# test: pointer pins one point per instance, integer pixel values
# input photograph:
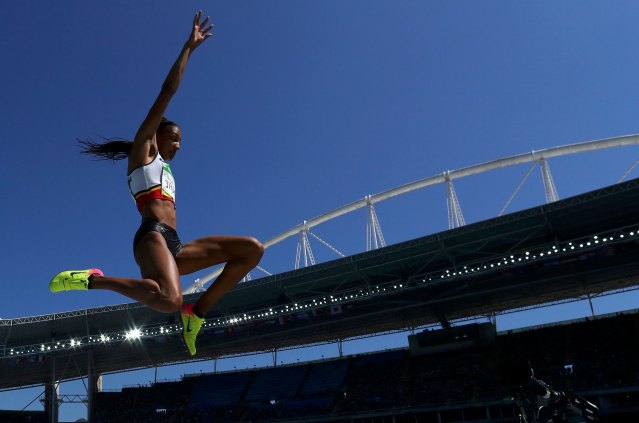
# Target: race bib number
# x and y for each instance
(168, 182)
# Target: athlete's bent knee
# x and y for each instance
(257, 250)
(176, 303)
(170, 304)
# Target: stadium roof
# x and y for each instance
(581, 245)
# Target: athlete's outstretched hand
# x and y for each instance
(200, 31)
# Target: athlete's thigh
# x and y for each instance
(211, 250)
(156, 262)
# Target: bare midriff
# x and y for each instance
(162, 211)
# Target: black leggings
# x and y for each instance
(170, 235)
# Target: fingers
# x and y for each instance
(207, 30)
(200, 29)
(196, 20)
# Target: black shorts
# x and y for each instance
(170, 235)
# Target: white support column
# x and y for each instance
(304, 246)
(370, 232)
(308, 253)
(455, 216)
(549, 184)
(374, 235)
(298, 253)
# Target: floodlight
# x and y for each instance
(134, 333)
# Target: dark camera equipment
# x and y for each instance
(538, 402)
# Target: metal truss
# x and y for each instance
(69, 314)
(549, 184)
(304, 249)
(537, 211)
(415, 281)
(374, 235)
(455, 216)
(70, 399)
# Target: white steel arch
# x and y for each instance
(533, 156)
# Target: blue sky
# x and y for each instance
(290, 110)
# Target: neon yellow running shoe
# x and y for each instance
(72, 279)
(191, 325)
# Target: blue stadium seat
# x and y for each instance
(276, 384)
(220, 390)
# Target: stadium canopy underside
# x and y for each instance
(583, 245)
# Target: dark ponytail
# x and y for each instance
(114, 148)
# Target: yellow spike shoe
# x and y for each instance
(72, 279)
(191, 325)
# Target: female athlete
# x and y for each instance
(161, 256)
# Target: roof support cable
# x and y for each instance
(329, 246)
(266, 272)
(628, 171)
(503, 209)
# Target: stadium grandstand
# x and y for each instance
(456, 379)
(438, 286)
(438, 379)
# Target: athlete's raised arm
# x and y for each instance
(144, 141)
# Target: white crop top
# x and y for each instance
(152, 181)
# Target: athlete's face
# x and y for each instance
(169, 139)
